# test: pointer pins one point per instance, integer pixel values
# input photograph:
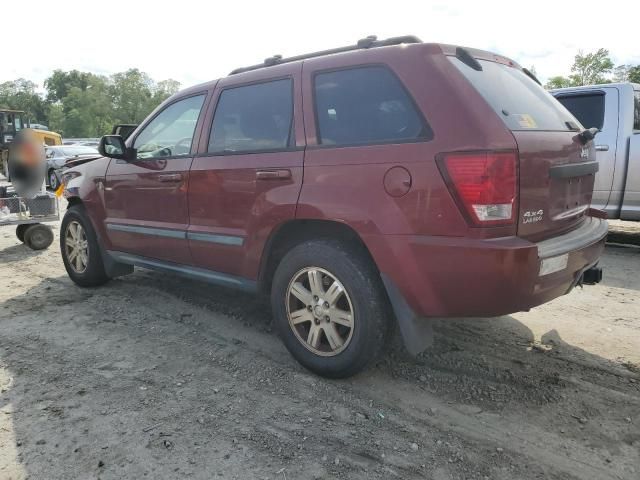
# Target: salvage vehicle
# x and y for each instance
(614, 109)
(387, 179)
(60, 157)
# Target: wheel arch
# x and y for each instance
(294, 232)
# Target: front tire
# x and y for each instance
(330, 307)
(80, 249)
(54, 183)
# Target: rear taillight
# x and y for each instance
(484, 184)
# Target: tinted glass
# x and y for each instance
(588, 109)
(516, 98)
(365, 105)
(636, 110)
(170, 133)
(253, 118)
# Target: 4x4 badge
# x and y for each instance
(532, 216)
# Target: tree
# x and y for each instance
(591, 68)
(633, 74)
(21, 94)
(621, 73)
(60, 83)
(558, 82)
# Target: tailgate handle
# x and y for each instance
(602, 148)
(273, 174)
(571, 170)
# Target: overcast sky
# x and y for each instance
(197, 40)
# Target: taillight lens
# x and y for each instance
(484, 183)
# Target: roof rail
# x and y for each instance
(369, 42)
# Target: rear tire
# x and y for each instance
(80, 249)
(38, 236)
(334, 335)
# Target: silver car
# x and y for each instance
(57, 156)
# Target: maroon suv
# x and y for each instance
(390, 179)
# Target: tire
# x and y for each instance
(52, 180)
(364, 296)
(88, 271)
(20, 229)
(38, 236)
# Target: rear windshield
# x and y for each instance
(516, 98)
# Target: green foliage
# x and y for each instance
(558, 82)
(588, 69)
(591, 68)
(633, 74)
(83, 104)
(21, 94)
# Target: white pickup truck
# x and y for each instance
(614, 109)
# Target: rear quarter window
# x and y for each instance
(365, 105)
(516, 98)
(587, 108)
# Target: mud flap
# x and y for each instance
(417, 332)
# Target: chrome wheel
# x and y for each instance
(76, 247)
(53, 180)
(319, 311)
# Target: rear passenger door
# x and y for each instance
(247, 176)
(599, 108)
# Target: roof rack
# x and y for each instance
(369, 42)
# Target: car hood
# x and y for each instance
(79, 160)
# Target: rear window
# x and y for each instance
(517, 99)
(589, 108)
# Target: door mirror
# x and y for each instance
(113, 146)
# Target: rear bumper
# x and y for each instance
(461, 277)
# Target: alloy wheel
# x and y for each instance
(76, 247)
(320, 311)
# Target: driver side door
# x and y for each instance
(146, 199)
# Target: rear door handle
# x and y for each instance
(273, 174)
(169, 177)
(602, 148)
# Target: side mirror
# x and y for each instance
(113, 146)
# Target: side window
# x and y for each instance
(588, 109)
(253, 118)
(365, 105)
(170, 133)
(636, 110)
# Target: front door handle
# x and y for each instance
(169, 177)
(602, 148)
(273, 174)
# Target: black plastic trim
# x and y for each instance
(571, 170)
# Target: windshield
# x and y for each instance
(516, 98)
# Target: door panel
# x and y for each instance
(236, 197)
(147, 211)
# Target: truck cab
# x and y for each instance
(614, 109)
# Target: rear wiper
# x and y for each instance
(587, 135)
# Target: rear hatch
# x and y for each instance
(556, 174)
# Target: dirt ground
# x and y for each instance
(155, 376)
